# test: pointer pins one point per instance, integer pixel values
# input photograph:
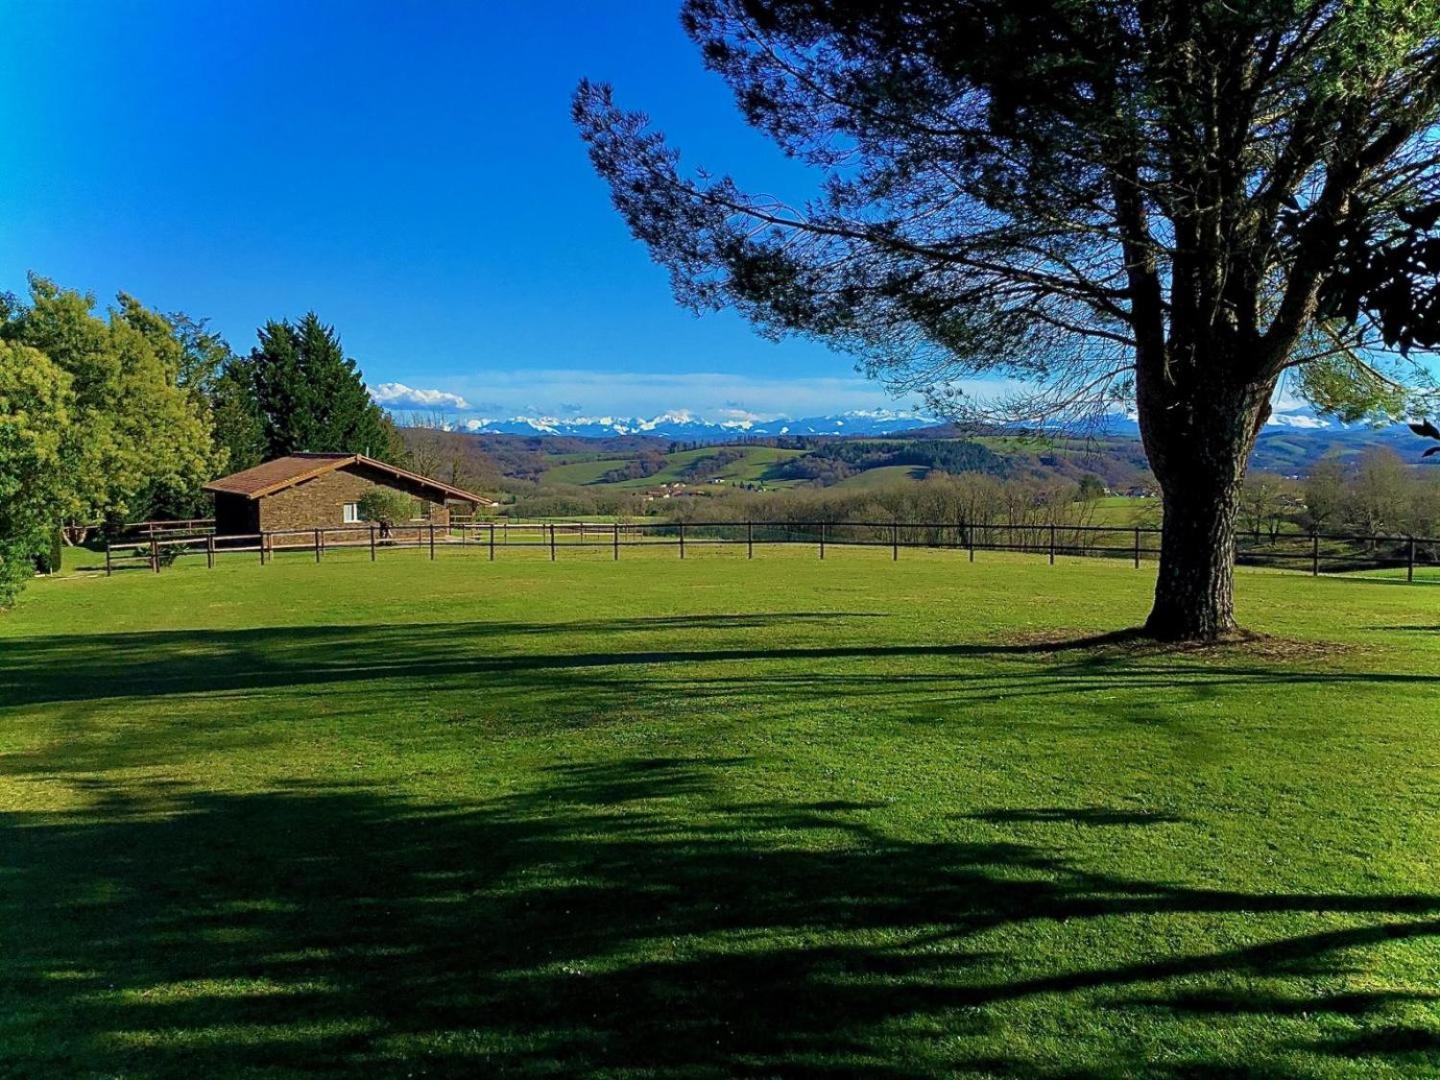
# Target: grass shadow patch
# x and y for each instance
(577, 924)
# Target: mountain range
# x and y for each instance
(1290, 443)
(683, 426)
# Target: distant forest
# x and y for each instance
(836, 461)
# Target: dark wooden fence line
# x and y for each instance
(168, 529)
(1319, 552)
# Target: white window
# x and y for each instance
(352, 513)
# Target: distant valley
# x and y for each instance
(866, 449)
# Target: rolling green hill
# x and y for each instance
(884, 476)
(753, 464)
(633, 463)
(852, 463)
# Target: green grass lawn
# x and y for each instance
(713, 818)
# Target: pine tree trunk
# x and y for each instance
(1194, 591)
(1198, 445)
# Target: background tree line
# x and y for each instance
(1380, 494)
(974, 498)
(835, 461)
(124, 415)
(944, 500)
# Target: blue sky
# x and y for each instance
(409, 171)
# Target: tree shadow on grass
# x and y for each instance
(221, 688)
(614, 917)
(91, 667)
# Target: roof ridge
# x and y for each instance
(287, 470)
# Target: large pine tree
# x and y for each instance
(311, 396)
(1137, 203)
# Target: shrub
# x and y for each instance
(48, 559)
(386, 506)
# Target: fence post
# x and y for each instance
(107, 558)
(372, 543)
(261, 545)
(617, 541)
(317, 545)
(894, 541)
(1410, 567)
(682, 540)
(552, 542)
(492, 541)
(822, 540)
(749, 539)
(970, 540)
(154, 552)
(1314, 554)
(1052, 543)
(432, 541)
(209, 552)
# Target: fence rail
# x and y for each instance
(164, 529)
(1316, 552)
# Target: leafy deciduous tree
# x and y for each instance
(1264, 500)
(35, 406)
(1379, 499)
(432, 448)
(1091, 487)
(1323, 492)
(139, 435)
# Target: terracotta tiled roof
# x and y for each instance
(281, 473)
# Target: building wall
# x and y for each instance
(319, 503)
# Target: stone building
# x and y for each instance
(323, 491)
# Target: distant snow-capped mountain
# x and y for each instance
(1293, 440)
(1293, 420)
(687, 427)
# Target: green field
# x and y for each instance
(1123, 510)
(885, 476)
(717, 817)
(755, 466)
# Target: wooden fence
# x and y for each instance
(1316, 552)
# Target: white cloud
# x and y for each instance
(1296, 420)
(398, 395)
(711, 396)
